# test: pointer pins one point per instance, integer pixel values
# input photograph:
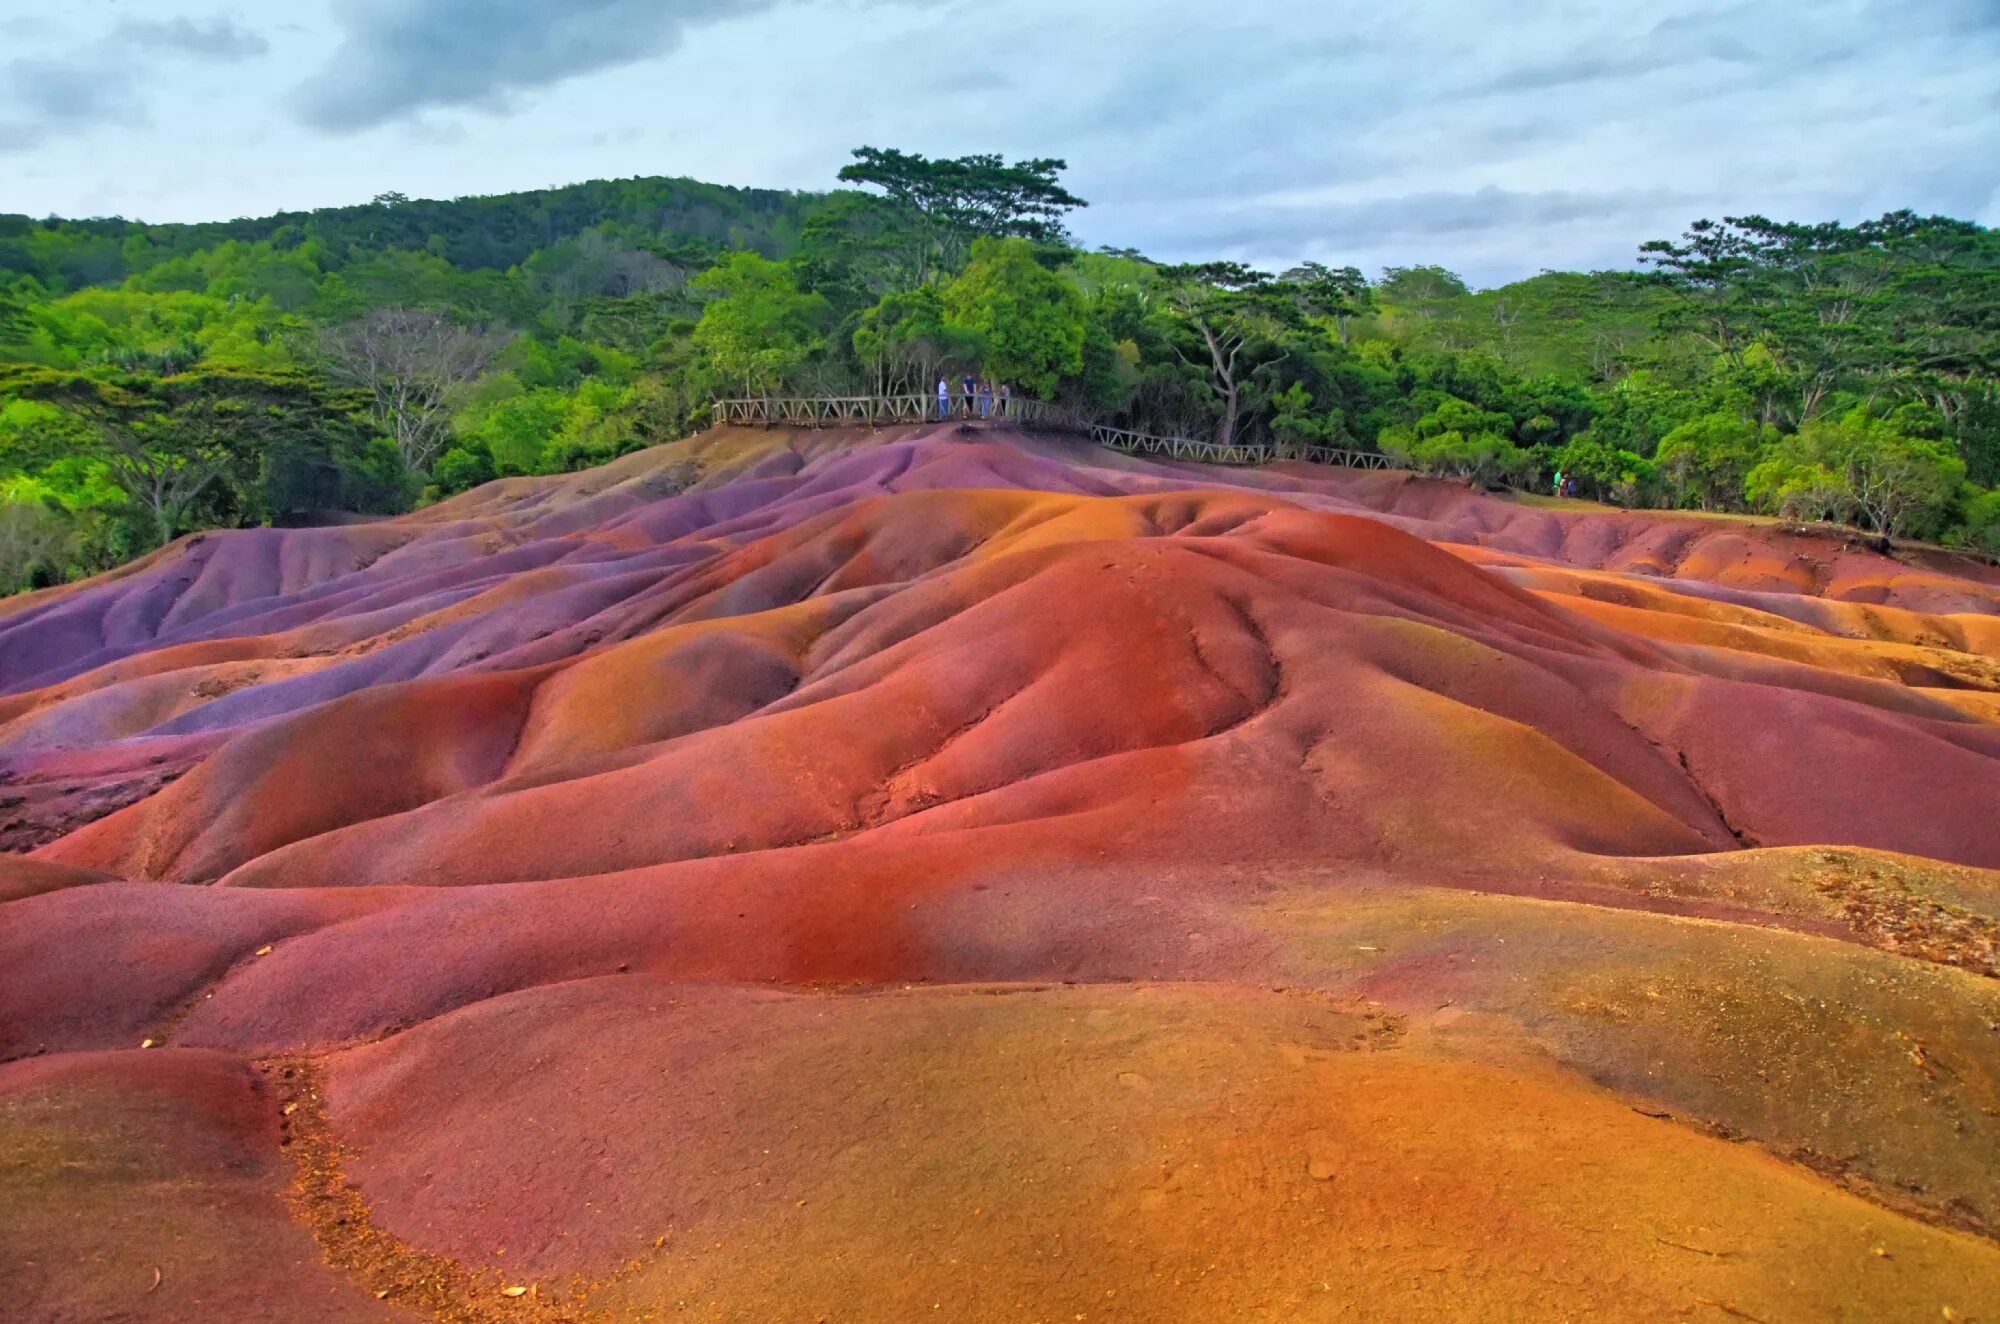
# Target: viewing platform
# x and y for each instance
(841, 411)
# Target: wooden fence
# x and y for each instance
(1214, 452)
(836, 411)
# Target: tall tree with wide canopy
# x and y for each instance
(165, 441)
(954, 201)
(1226, 307)
(1339, 294)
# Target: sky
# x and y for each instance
(1498, 140)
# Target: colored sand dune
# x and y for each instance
(957, 874)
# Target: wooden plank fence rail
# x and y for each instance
(839, 411)
(835, 411)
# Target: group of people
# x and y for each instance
(1565, 484)
(977, 398)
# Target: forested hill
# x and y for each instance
(494, 232)
(156, 379)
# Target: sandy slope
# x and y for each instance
(953, 874)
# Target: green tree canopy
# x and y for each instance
(907, 341)
(164, 441)
(1706, 459)
(1224, 310)
(1030, 321)
(1861, 466)
(955, 201)
(758, 327)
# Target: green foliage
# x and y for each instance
(534, 421)
(511, 424)
(1585, 327)
(1297, 419)
(459, 470)
(1605, 472)
(1858, 467)
(861, 246)
(1482, 459)
(1454, 415)
(907, 341)
(759, 327)
(489, 233)
(165, 442)
(1979, 526)
(1641, 408)
(1030, 322)
(947, 205)
(1226, 318)
(1420, 292)
(1902, 297)
(305, 477)
(36, 541)
(1705, 460)
(1335, 296)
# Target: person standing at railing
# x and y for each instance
(970, 386)
(944, 398)
(1005, 401)
(986, 398)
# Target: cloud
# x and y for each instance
(73, 91)
(1455, 227)
(26, 27)
(1558, 136)
(103, 81)
(217, 39)
(403, 56)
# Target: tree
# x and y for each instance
(1030, 322)
(1707, 458)
(1610, 474)
(1902, 303)
(1228, 307)
(1480, 460)
(861, 245)
(1459, 439)
(952, 202)
(17, 327)
(1338, 293)
(758, 325)
(165, 441)
(1897, 481)
(1707, 269)
(1981, 528)
(1298, 422)
(1791, 486)
(1424, 290)
(34, 540)
(1858, 466)
(906, 342)
(412, 363)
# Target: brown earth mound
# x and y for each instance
(964, 875)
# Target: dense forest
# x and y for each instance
(156, 379)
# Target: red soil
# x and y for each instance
(1531, 809)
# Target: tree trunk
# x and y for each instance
(1231, 403)
(1225, 376)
